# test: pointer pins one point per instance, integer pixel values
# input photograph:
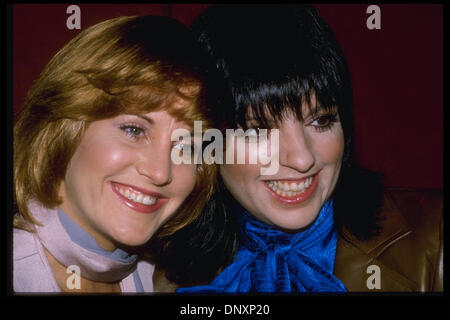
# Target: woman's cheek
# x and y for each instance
(185, 176)
(331, 147)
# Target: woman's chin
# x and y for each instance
(132, 239)
(292, 220)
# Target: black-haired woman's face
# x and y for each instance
(310, 156)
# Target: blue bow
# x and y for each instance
(270, 260)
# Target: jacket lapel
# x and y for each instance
(354, 257)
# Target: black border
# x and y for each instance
(296, 306)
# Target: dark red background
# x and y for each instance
(397, 74)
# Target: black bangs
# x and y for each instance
(269, 103)
(276, 62)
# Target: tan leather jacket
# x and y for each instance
(408, 251)
(407, 255)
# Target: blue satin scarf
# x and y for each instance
(270, 260)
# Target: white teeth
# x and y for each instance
(286, 189)
(149, 200)
(308, 182)
(136, 196)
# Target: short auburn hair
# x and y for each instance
(121, 65)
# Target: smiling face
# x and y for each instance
(310, 156)
(121, 185)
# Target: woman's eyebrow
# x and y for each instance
(149, 120)
(320, 109)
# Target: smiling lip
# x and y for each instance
(139, 207)
(296, 199)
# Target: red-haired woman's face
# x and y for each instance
(121, 185)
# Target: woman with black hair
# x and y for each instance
(321, 223)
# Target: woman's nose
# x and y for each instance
(295, 148)
(155, 163)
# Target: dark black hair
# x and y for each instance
(274, 57)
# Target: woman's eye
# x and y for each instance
(257, 135)
(133, 131)
(324, 122)
(321, 121)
